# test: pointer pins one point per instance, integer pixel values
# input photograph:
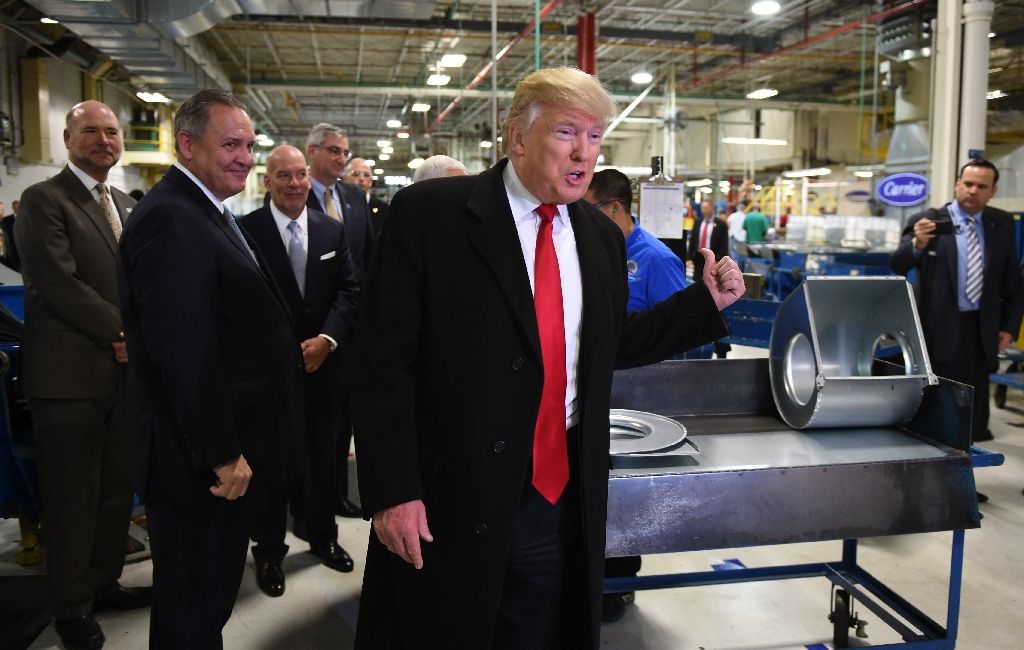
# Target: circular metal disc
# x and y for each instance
(637, 432)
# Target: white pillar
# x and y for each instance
(974, 77)
(945, 102)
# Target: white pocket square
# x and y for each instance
(327, 256)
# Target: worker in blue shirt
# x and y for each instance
(654, 272)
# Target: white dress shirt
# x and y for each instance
(527, 222)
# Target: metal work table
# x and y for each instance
(757, 482)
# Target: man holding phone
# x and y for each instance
(968, 283)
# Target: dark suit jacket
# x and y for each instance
(332, 291)
(358, 228)
(936, 286)
(71, 301)
(718, 242)
(11, 256)
(378, 213)
(449, 366)
(214, 369)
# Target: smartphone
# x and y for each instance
(943, 227)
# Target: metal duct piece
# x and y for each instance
(822, 350)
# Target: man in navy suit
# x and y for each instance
(965, 332)
(215, 405)
(327, 151)
(307, 255)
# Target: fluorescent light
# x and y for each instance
(402, 135)
(765, 141)
(453, 60)
(416, 162)
(995, 94)
(46, 20)
(642, 77)
(863, 174)
(765, 7)
(378, 171)
(699, 183)
(370, 163)
(384, 156)
(486, 144)
(394, 124)
(383, 143)
(152, 98)
(757, 188)
(801, 173)
(991, 34)
(762, 93)
(388, 149)
(264, 140)
(420, 107)
(438, 80)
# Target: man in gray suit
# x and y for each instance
(73, 373)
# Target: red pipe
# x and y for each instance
(480, 76)
(586, 58)
(807, 42)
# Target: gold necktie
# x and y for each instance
(332, 210)
(108, 209)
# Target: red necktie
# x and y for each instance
(550, 458)
(704, 234)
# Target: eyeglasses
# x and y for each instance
(363, 174)
(336, 151)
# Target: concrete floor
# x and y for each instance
(319, 608)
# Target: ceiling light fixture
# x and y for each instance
(486, 144)
(46, 20)
(438, 79)
(402, 135)
(152, 98)
(642, 77)
(384, 156)
(383, 143)
(370, 163)
(420, 107)
(994, 94)
(762, 93)
(699, 183)
(863, 173)
(394, 124)
(802, 173)
(378, 171)
(762, 141)
(388, 149)
(453, 60)
(765, 7)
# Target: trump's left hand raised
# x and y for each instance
(723, 279)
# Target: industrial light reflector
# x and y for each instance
(394, 124)
(642, 77)
(420, 107)
(762, 93)
(765, 7)
(801, 173)
(384, 156)
(402, 135)
(152, 98)
(994, 94)
(387, 149)
(453, 60)
(486, 144)
(383, 143)
(764, 141)
(438, 80)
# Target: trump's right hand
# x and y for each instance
(232, 479)
(400, 528)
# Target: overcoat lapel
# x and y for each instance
(84, 199)
(594, 279)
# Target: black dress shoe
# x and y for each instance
(613, 606)
(982, 498)
(124, 598)
(80, 632)
(270, 577)
(346, 508)
(334, 557)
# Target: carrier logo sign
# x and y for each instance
(903, 190)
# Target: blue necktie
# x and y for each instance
(975, 264)
(297, 256)
(238, 233)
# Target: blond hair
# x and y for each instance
(561, 87)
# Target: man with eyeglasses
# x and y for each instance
(327, 152)
(358, 173)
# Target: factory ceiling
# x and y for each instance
(360, 63)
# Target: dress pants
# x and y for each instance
(198, 558)
(540, 607)
(968, 366)
(83, 460)
(315, 506)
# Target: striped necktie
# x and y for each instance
(975, 264)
